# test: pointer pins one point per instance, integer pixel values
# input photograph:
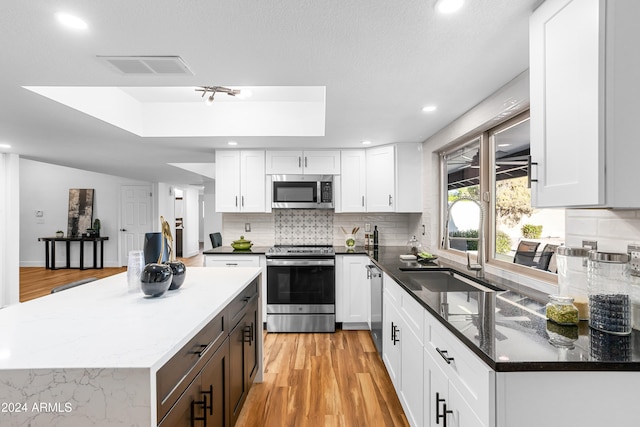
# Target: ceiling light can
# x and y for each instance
(448, 6)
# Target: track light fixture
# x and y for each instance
(215, 89)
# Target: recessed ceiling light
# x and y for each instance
(71, 21)
(232, 143)
(449, 6)
(429, 108)
(366, 142)
(3, 145)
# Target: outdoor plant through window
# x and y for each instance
(496, 162)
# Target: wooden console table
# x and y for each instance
(50, 248)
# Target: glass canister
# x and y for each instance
(560, 309)
(572, 277)
(609, 287)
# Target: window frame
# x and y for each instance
(487, 184)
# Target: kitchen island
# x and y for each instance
(90, 355)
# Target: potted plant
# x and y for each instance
(59, 233)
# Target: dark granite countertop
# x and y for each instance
(509, 330)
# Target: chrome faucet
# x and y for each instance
(478, 266)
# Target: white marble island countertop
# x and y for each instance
(102, 325)
(89, 355)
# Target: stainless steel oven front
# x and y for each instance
(301, 294)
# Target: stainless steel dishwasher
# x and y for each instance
(375, 278)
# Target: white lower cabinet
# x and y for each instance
(232, 261)
(444, 405)
(353, 294)
(402, 348)
(431, 370)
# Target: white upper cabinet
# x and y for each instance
(394, 178)
(311, 162)
(584, 69)
(353, 182)
(240, 181)
(381, 179)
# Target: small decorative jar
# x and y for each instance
(414, 246)
(560, 309)
(572, 277)
(609, 286)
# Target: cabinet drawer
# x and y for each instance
(242, 301)
(410, 309)
(474, 380)
(174, 376)
(232, 261)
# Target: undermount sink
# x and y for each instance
(445, 281)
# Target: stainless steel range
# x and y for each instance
(301, 289)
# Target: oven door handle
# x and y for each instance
(271, 262)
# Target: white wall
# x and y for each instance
(9, 229)
(46, 187)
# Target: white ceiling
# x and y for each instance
(377, 62)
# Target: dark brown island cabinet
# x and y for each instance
(207, 384)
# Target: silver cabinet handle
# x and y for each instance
(242, 198)
(236, 201)
(305, 161)
(363, 201)
(299, 162)
(390, 200)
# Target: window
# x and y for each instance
(493, 169)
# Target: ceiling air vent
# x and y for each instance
(145, 65)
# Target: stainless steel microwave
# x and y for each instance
(302, 192)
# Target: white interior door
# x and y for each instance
(135, 218)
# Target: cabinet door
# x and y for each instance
(462, 415)
(227, 181)
(436, 393)
(215, 385)
(391, 336)
(355, 291)
(567, 103)
(321, 162)
(411, 372)
(283, 162)
(252, 181)
(353, 180)
(237, 369)
(252, 329)
(188, 410)
(381, 179)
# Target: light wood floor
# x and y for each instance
(316, 380)
(310, 380)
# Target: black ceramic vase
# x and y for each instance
(151, 248)
(179, 271)
(155, 279)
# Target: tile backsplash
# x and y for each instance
(303, 227)
(308, 226)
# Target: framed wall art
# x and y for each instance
(80, 211)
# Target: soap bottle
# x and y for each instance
(375, 237)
